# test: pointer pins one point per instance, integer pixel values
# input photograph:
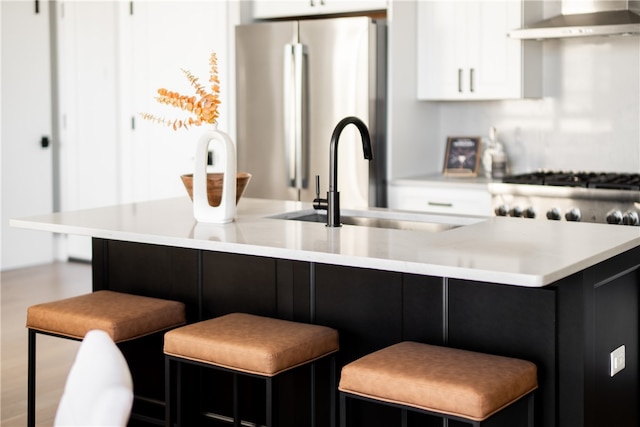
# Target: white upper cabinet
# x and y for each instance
(267, 9)
(464, 52)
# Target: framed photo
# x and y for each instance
(462, 157)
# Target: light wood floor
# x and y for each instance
(19, 289)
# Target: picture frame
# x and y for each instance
(462, 156)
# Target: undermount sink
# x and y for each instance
(384, 219)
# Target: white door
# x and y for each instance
(87, 69)
(113, 57)
(155, 156)
(27, 178)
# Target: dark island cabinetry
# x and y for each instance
(568, 328)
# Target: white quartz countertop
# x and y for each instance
(513, 251)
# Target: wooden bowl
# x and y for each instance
(214, 186)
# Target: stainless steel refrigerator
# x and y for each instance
(295, 81)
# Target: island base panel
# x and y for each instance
(567, 328)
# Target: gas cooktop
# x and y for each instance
(604, 197)
(604, 180)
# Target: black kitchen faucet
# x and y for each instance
(333, 195)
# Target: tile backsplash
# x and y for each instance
(588, 118)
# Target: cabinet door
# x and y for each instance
(441, 50)
(266, 9)
(464, 52)
(494, 60)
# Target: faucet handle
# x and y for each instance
(319, 203)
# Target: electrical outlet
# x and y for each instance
(617, 360)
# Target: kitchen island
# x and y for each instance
(563, 295)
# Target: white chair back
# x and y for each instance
(99, 388)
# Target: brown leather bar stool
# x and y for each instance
(450, 383)
(123, 316)
(251, 345)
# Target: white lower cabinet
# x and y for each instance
(268, 9)
(447, 199)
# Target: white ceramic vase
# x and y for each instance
(225, 154)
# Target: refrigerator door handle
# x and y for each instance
(294, 120)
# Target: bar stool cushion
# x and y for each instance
(440, 379)
(122, 316)
(251, 344)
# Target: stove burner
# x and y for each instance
(598, 197)
(533, 178)
(616, 181)
(605, 180)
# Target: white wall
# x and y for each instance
(412, 124)
(588, 118)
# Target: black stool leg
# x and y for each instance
(343, 410)
(403, 417)
(530, 408)
(167, 392)
(236, 403)
(313, 395)
(332, 391)
(179, 411)
(31, 380)
(269, 420)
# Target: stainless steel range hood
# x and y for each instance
(583, 18)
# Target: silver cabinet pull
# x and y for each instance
(460, 80)
(472, 72)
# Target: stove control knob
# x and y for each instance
(530, 212)
(554, 214)
(614, 217)
(630, 218)
(502, 210)
(516, 211)
(573, 215)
